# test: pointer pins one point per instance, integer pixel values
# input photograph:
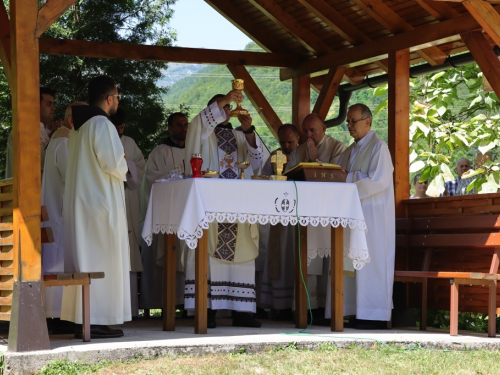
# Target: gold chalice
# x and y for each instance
(242, 165)
(238, 84)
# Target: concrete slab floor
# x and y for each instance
(145, 338)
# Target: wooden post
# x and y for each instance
(200, 286)
(28, 328)
(337, 279)
(301, 278)
(169, 270)
(399, 125)
(301, 102)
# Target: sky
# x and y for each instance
(198, 25)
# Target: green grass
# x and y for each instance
(288, 359)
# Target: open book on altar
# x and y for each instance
(315, 172)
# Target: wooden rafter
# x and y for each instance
(486, 15)
(440, 10)
(246, 26)
(422, 36)
(339, 24)
(168, 54)
(278, 15)
(50, 12)
(487, 60)
(394, 23)
(328, 92)
(258, 100)
(301, 102)
(5, 42)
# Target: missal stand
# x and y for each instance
(319, 172)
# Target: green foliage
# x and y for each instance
(58, 367)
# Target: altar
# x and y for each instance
(184, 208)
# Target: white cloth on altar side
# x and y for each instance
(95, 223)
(374, 282)
(161, 161)
(328, 151)
(9, 159)
(231, 285)
(197, 202)
(136, 166)
(53, 177)
(201, 138)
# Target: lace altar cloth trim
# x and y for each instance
(359, 257)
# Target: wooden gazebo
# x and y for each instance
(317, 43)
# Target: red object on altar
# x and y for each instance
(196, 163)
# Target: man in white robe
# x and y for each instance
(47, 128)
(53, 178)
(276, 276)
(136, 165)
(231, 263)
(95, 221)
(161, 161)
(368, 164)
(322, 147)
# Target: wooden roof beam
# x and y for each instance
(82, 48)
(439, 10)
(283, 19)
(395, 24)
(328, 92)
(246, 26)
(339, 24)
(487, 17)
(258, 99)
(487, 60)
(420, 37)
(5, 42)
(49, 13)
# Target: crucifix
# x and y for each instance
(278, 160)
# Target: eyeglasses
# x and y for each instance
(353, 122)
(118, 96)
(228, 106)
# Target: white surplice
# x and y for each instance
(228, 281)
(132, 202)
(161, 161)
(95, 223)
(369, 164)
(54, 175)
(318, 238)
(44, 141)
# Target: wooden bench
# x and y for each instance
(463, 249)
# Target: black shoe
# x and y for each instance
(98, 332)
(261, 313)
(284, 315)
(241, 319)
(211, 318)
(370, 324)
(57, 326)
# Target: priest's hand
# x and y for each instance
(53, 126)
(231, 96)
(343, 175)
(311, 150)
(246, 124)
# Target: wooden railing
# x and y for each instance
(8, 263)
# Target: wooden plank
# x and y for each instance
(8, 211)
(247, 26)
(49, 13)
(301, 102)
(328, 92)
(456, 222)
(65, 282)
(6, 182)
(337, 279)
(483, 209)
(7, 241)
(81, 276)
(7, 255)
(487, 60)
(463, 203)
(5, 316)
(301, 278)
(399, 125)
(257, 99)
(169, 267)
(47, 235)
(430, 211)
(487, 16)
(454, 309)
(285, 21)
(127, 51)
(415, 39)
(4, 271)
(86, 313)
(6, 197)
(440, 10)
(5, 301)
(456, 240)
(44, 214)
(96, 275)
(5, 57)
(200, 298)
(6, 285)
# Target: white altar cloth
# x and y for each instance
(186, 207)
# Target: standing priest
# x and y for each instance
(163, 158)
(95, 225)
(232, 247)
(368, 164)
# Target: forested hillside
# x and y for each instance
(195, 91)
